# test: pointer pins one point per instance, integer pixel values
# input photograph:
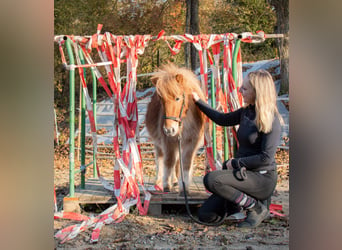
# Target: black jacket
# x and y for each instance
(256, 149)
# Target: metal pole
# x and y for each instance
(72, 120)
(94, 111)
(83, 111)
(170, 37)
(234, 63)
(234, 73)
(213, 105)
(225, 134)
(56, 126)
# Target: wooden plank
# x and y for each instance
(94, 192)
(155, 209)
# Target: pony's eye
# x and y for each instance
(177, 99)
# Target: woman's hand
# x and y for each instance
(195, 96)
(228, 165)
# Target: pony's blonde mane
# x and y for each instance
(167, 85)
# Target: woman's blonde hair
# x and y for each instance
(265, 99)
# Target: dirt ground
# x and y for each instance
(174, 229)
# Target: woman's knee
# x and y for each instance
(209, 181)
(214, 181)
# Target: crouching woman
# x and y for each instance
(251, 177)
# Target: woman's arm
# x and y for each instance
(220, 118)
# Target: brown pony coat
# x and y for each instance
(174, 86)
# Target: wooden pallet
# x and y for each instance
(197, 195)
(95, 193)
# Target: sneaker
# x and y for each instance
(255, 216)
(237, 217)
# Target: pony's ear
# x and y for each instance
(154, 80)
(179, 78)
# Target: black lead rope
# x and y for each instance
(179, 120)
(217, 223)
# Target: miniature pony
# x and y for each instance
(173, 115)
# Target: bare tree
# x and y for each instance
(187, 46)
(282, 11)
(191, 27)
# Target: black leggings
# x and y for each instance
(225, 189)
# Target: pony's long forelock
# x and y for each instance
(166, 84)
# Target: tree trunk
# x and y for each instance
(282, 10)
(194, 29)
(187, 46)
(191, 27)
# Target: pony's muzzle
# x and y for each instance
(170, 131)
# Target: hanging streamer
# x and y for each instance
(202, 43)
(126, 190)
(114, 50)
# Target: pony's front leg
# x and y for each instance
(187, 160)
(170, 160)
(175, 174)
(160, 166)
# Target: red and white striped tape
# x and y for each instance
(202, 43)
(128, 177)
